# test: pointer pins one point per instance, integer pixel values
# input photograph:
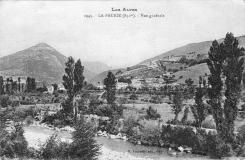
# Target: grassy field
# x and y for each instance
(163, 109)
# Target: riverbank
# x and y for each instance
(112, 149)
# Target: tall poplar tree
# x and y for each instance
(225, 59)
(1, 85)
(233, 68)
(73, 82)
(110, 87)
(215, 65)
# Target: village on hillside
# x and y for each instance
(122, 80)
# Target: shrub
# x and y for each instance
(216, 148)
(105, 111)
(29, 120)
(13, 144)
(128, 124)
(133, 96)
(152, 113)
(51, 148)
(179, 136)
(4, 101)
(83, 146)
(209, 123)
(150, 132)
(155, 99)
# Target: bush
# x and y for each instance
(150, 133)
(179, 136)
(4, 101)
(155, 99)
(29, 120)
(83, 147)
(13, 144)
(152, 114)
(208, 123)
(216, 148)
(54, 148)
(128, 124)
(133, 97)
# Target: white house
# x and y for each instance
(121, 85)
(50, 89)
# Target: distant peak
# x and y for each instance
(42, 45)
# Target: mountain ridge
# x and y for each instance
(43, 62)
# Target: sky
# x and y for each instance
(116, 41)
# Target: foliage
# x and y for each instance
(155, 99)
(54, 148)
(208, 123)
(68, 78)
(179, 136)
(30, 84)
(67, 107)
(150, 133)
(60, 119)
(199, 110)
(133, 96)
(225, 58)
(84, 146)
(13, 144)
(4, 101)
(128, 124)
(177, 104)
(73, 81)
(216, 148)
(152, 114)
(110, 87)
(1, 85)
(42, 89)
(78, 76)
(189, 82)
(185, 116)
(55, 86)
(124, 80)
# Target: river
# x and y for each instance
(37, 135)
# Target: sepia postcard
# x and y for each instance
(122, 79)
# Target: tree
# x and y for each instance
(225, 58)
(1, 85)
(233, 68)
(78, 81)
(152, 114)
(7, 85)
(198, 109)
(33, 84)
(161, 66)
(55, 86)
(84, 146)
(215, 64)
(11, 85)
(185, 116)
(30, 84)
(73, 82)
(189, 82)
(19, 82)
(78, 76)
(110, 87)
(68, 78)
(177, 106)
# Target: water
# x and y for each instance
(36, 135)
(155, 153)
